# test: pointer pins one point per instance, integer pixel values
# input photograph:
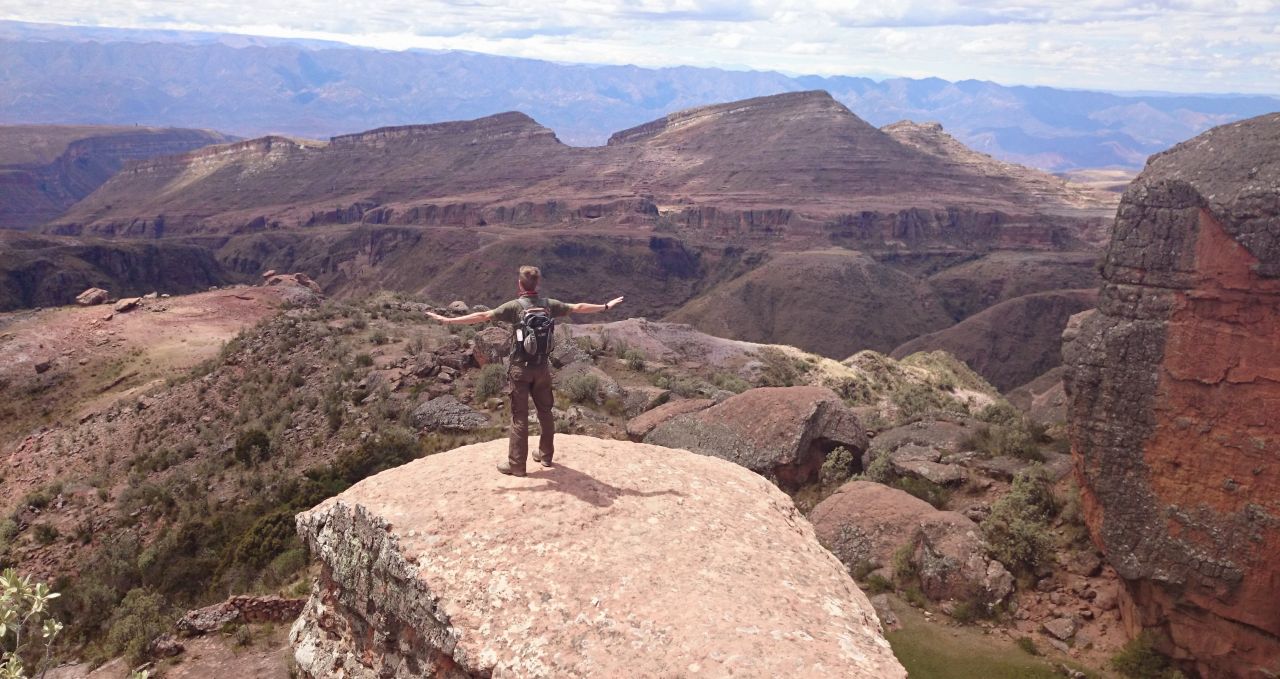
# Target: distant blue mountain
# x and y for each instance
(250, 86)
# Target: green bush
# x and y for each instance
(999, 412)
(1139, 659)
(490, 381)
(44, 533)
(252, 446)
(363, 360)
(781, 369)
(1015, 440)
(635, 360)
(1027, 644)
(877, 584)
(1017, 529)
(581, 387)
(880, 470)
(135, 623)
(838, 467)
(924, 489)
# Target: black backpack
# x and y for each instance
(534, 334)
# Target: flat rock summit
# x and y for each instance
(624, 559)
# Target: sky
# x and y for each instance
(1118, 45)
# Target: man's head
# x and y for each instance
(530, 276)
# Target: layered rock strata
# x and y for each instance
(622, 560)
(1174, 386)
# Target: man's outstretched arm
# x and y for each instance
(589, 308)
(477, 317)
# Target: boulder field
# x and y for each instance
(1173, 388)
(624, 559)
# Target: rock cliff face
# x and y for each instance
(44, 169)
(1174, 387)
(622, 560)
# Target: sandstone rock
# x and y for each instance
(491, 345)
(782, 433)
(944, 436)
(1061, 628)
(447, 413)
(164, 646)
(43, 366)
(638, 400)
(151, 295)
(268, 274)
(459, 307)
(866, 522)
(609, 564)
(641, 425)
(92, 296)
(239, 609)
(127, 304)
(1173, 387)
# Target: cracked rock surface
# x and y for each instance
(1174, 390)
(624, 559)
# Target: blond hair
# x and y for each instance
(530, 276)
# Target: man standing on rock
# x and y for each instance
(529, 372)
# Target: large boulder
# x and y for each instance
(640, 426)
(609, 564)
(944, 437)
(867, 523)
(1173, 388)
(92, 297)
(491, 345)
(782, 433)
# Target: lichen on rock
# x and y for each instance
(623, 559)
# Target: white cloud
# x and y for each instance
(1182, 45)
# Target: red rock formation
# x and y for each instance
(1174, 388)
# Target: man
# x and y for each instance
(528, 376)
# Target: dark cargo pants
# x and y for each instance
(526, 381)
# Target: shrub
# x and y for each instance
(1028, 644)
(44, 533)
(135, 623)
(838, 467)
(379, 337)
(363, 360)
(252, 446)
(999, 412)
(780, 369)
(1017, 529)
(877, 584)
(490, 381)
(582, 387)
(924, 489)
(1139, 659)
(1018, 438)
(880, 470)
(730, 382)
(635, 360)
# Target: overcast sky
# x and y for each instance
(1174, 45)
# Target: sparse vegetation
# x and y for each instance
(490, 381)
(1017, 529)
(1139, 659)
(581, 387)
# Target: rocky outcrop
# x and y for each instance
(622, 560)
(92, 297)
(1173, 388)
(640, 426)
(782, 433)
(239, 609)
(866, 523)
(448, 414)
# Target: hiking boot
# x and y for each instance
(506, 468)
(544, 461)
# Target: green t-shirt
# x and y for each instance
(510, 312)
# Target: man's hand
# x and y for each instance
(435, 316)
(613, 302)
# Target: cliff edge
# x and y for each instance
(624, 559)
(1174, 385)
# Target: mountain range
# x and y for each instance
(252, 86)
